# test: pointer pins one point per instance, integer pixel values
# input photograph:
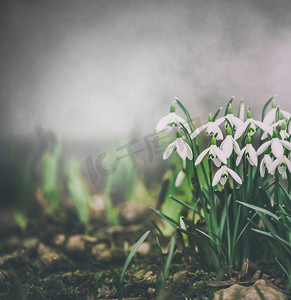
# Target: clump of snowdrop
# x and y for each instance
(232, 163)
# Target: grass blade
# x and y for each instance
(260, 209)
(182, 203)
(189, 119)
(172, 222)
(266, 106)
(131, 254)
(216, 114)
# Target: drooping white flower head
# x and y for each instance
(233, 120)
(277, 145)
(283, 131)
(252, 126)
(215, 154)
(212, 128)
(221, 176)
(179, 179)
(266, 163)
(274, 126)
(181, 147)
(229, 144)
(250, 153)
(172, 120)
(282, 164)
(270, 116)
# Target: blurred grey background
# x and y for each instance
(99, 69)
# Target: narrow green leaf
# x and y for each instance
(283, 242)
(186, 114)
(160, 253)
(157, 228)
(243, 230)
(216, 114)
(282, 267)
(131, 254)
(181, 202)
(260, 209)
(285, 192)
(266, 106)
(168, 261)
(166, 218)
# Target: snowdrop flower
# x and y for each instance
(250, 153)
(171, 120)
(252, 128)
(181, 147)
(283, 132)
(212, 128)
(277, 145)
(281, 163)
(266, 163)
(229, 144)
(270, 117)
(233, 120)
(221, 176)
(215, 154)
(274, 125)
(179, 179)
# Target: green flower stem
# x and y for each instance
(213, 205)
(229, 252)
(278, 199)
(289, 183)
(236, 209)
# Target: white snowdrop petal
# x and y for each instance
(286, 114)
(253, 155)
(227, 146)
(270, 117)
(263, 147)
(181, 148)
(241, 129)
(223, 180)
(277, 148)
(162, 124)
(217, 162)
(286, 144)
(236, 146)
(240, 155)
(234, 175)
(218, 121)
(201, 156)
(220, 155)
(264, 127)
(288, 163)
(217, 176)
(197, 131)
(169, 150)
(274, 165)
(188, 151)
(179, 179)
